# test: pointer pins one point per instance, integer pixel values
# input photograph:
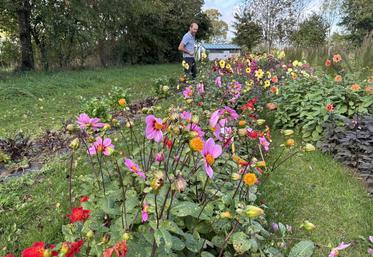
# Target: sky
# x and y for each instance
(229, 7)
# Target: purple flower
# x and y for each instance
(134, 167)
(196, 128)
(232, 113)
(144, 212)
(159, 157)
(210, 152)
(154, 128)
(370, 238)
(188, 92)
(214, 118)
(86, 122)
(200, 88)
(335, 251)
(101, 146)
(370, 251)
(186, 116)
(263, 141)
(218, 81)
(275, 227)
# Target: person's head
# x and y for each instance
(193, 28)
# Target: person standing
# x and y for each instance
(187, 46)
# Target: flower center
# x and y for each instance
(157, 125)
(100, 148)
(134, 168)
(209, 159)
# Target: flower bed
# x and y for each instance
(187, 183)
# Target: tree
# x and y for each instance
(15, 19)
(311, 32)
(357, 18)
(248, 33)
(219, 28)
(275, 17)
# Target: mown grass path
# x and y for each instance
(32, 102)
(314, 187)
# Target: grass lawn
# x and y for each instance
(33, 101)
(316, 188)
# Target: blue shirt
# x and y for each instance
(189, 42)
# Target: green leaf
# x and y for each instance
(218, 241)
(241, 242)
(183, 209)
(206, 254)
(177, 244)
(171, 226)
(193, 244)
(302, 249)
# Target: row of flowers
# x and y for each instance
(185, 182)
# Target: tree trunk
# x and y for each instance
(23, 16)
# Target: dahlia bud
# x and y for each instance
(72, 128)
(107, 126)
(290, 142)
(261, 164)
(64, 248)
(126, 236)
(288, 132)
(180, 183)
(309, 148)
(165, 89)
(144, 110)
(260, 121)
(235, 176)
(115, 122)
(75, 144)
(195, 119)
(174, 116)
(242, 123)
(47, 253)
(307, 225)
(90, 234)
(242, 132)
(253, 211)
(189, 101)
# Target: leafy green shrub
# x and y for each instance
(302, 103)
(351, 144)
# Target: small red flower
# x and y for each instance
(78, 214)
(249, 105)
(84, 199)
(120, 250)
(252, 134)
(328, 63)
(37, 250)
(330, 107)
(9, 255)
(167, 142)
(73, 248)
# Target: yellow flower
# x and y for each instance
(253, 211)
(267, 83)
(281, 55)
(203, 55)
(248, 70)
(250, 179)
(226, 215)
(196, 144)
(228, 66)
(268, 73)
(222, 64)
(122, 102)
(242, 123)
(259, 74)
(185, 65)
